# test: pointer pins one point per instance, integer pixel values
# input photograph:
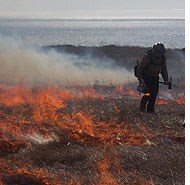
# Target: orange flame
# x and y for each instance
(161, 102)
(28, 114)
(181, 100)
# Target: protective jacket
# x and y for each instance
(152, 66)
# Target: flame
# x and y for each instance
(89, 92)
(11, 96)
(25, 172)
(120, 89)
(147, 94)
(131, 92)
(81, 123)
(41, 115)
(181, 100)
(105, 176)
(161, 102)
(39, 120)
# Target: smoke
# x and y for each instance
(176, 63)
(22, 63)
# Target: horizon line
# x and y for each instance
(91, 18)
(90, 15)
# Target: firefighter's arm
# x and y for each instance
(164, 72)
(144, 62)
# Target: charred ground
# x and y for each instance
(107, 141)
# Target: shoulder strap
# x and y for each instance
(149, 53)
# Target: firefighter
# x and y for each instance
(152, 64)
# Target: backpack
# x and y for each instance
(136, 69)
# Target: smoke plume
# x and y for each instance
(27, 64)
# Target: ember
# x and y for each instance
(53, 135)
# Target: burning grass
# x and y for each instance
(88, 135)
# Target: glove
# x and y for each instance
(141, 81)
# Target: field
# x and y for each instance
(89, 135)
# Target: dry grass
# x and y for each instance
(137, 148)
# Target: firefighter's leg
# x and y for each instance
(143, 103)
(152, 98)
(151, 104)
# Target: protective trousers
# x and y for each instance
(148, 100)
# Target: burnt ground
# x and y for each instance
(126, 146)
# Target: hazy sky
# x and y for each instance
(92, 8)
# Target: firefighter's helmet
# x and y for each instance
(159, 48)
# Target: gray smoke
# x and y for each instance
(26, 64)
(176, 63)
